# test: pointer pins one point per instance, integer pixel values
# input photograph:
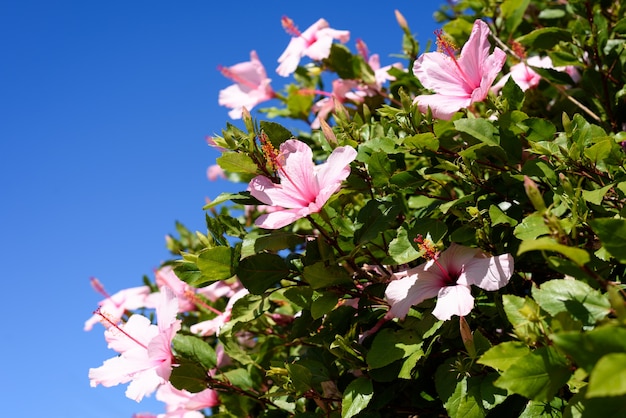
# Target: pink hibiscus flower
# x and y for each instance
(458, 83)
(526, 78)
(448, 276)
(213, 326)
(343, 90)
(251, 86)
(180, 403)
(117, 305)
(145, 357)
(315, 43)
(304, 188)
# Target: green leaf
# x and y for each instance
(513, 12)
(356, 397)
(612, 233)
(323, 302)
(586, 348)
(608, 378)
(380, 168)
(261, 271)
(276, 132)
(401, 248)
(389, 346)
(577, 255)
(531, 227)
(544, 38)
(374, 218)
(215, 264)
(537, 376)
(503, 355)
(481, 129)
(239, 378)
(574, 296)
(596, 196)
(498, 217)
(320, 275)
(300, 377)
(237, 162)
(189, 376)
(195, 349)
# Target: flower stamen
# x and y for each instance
(117, 327)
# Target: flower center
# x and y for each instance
(446, 47)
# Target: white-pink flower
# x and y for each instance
(448, 276)
(145, 358)
(526, 78)
(315, 43)
(117, 305)
(304, 187)
(458, 83)
(251, 86)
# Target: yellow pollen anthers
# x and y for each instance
(445, 45)
(106, 319)
(426, 245)
(272, 156)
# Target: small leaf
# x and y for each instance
(612, 233)
(481, 129)
(544, 38)
(261, 271)
(608, 377)
(320, 275)
(578, 255)
(195, 349)
(498, 217)
(236, 162)
(356, 397)
(503, 355)
(215, 264)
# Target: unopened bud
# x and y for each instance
(401, 20)
(328, 132)
(534, 195)
(467, 337)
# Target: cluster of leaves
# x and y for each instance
(538, 174)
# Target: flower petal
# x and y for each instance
(490, 273)
(411, 290)
(453, 300)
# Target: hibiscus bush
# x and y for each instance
(445, 238)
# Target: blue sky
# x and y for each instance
(104, 107)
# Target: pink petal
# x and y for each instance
(453, 300)
(274, 194)
(280, 218)
(411, 290)
(490, 273)
(475, 52)
(337, 168)
(438, 72)
(442, 107)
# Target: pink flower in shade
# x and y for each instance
(381, 74)
(215, 172)
(458, 83)
(315, 43)
(117, 305)
(448, 277)
(213, 326)
(182, 403)
(342, 92)
(304, 188)
(145, 358)
(527, 78)
(251, 86)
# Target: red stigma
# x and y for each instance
(117, 327)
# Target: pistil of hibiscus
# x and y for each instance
(362, 49)
(106, 319)
(192, 297)
(99, 287)
(431, 253)
(446, 47)
(290, 27)
(271, 155)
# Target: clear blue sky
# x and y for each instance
(104, 106)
